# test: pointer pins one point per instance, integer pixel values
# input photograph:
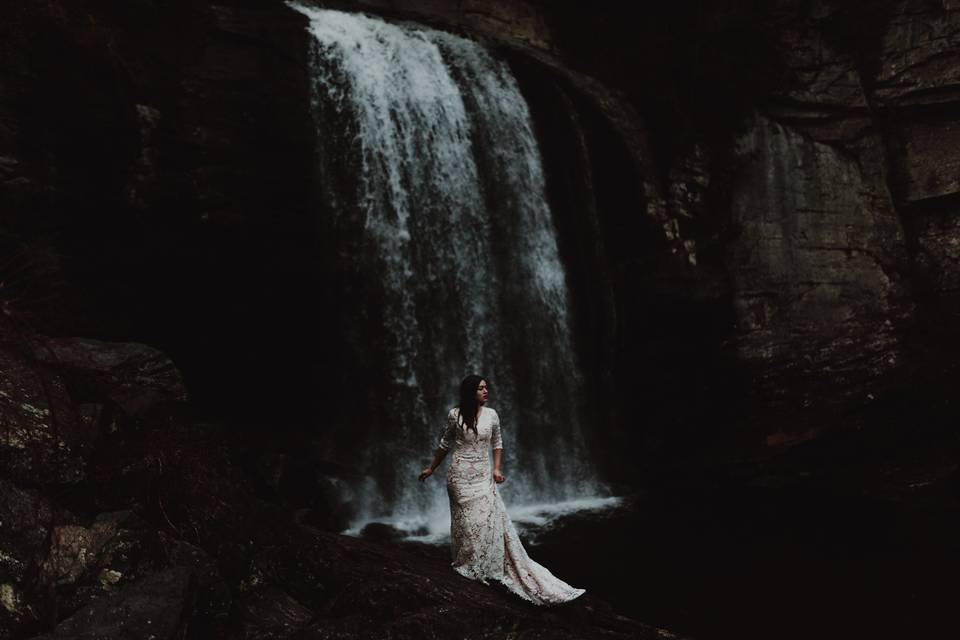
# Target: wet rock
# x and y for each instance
(26, 519)
(85, 564)
(271, 613)
(688, 184)
(938, 254)
(136, 377)
(335, 518)
(111, 549)
(822, 75)
(518, 22)
(381, 532)
(214, 599)
(381, 591)
(319, 489)
(926, 165)
(919, 57)
(41, 439)
(326, 496)
(12, 609)
(816, 271)
(144, 176)
(158, 606)
(74, 549)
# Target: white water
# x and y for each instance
(530, 519)
(451, 197)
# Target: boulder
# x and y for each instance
(26, 520)
(136, 377)
(158, 606)
(271, 613)
(214, 599)
(42, 441)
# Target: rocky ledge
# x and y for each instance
(120, 517)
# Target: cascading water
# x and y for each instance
(447, 212)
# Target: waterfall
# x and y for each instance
(432, 172)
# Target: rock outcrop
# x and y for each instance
(42, 438)
(134, 377)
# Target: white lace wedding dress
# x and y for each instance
(484, 543)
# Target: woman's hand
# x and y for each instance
(438, 457)
(497, 476)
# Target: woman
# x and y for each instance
(484, 543)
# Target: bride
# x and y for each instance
(484, 543)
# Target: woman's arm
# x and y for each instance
(497, 438)
(447, 441)
(438, 457)
(497, 461)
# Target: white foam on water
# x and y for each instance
(531, 519)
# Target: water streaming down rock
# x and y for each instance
(432, 172)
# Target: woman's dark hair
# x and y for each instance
(468, 402)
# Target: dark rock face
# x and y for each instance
(42, 439)
(817, 272)
(156, 179)
(26, 518)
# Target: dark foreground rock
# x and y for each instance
(381, 591)
(136, 377)
(42, 439)
(159, 606)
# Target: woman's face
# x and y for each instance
(482, 392)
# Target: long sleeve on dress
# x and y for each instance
(495, 437)
(449, 435)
